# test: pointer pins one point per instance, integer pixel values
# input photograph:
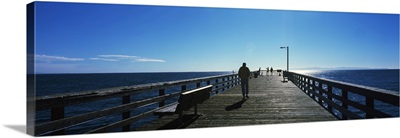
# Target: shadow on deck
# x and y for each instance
(236, 105)
(176, 124)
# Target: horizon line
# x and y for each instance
(339, 68)
(129, 72)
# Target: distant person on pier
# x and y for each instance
(244, 74)
(272, 73)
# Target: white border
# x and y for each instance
(13, 67)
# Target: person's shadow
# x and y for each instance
(234, 106)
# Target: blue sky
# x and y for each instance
(91, 38)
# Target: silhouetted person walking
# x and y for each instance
(272, 71)
(244, 74)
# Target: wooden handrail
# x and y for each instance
(308, 84)
(75, 120)
(52, 101)
(57, 103)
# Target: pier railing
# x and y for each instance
(334, 97)
(57, 104)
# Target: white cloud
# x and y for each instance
(47, 58)
(119, 56)
(104, 59)
(126, 57)
(149, 60)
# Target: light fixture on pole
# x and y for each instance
(287, 58)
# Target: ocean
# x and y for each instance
(51, 84)
(384, 78)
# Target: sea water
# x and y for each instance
(384, 79)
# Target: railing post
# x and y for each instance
(216, 86)
(126, 115)
(294, 80)
(369, 102)
(234, 81)
(223, 84)
(329, 98)
(183, 88)
(198, 85)
(297, 81)
(208, 82)
(303, 83)
(229, 82)
(313, 89)
(57, 114)
(237, 79)
(161, 92)
(320, 93)
(344, 103)
(308, 86)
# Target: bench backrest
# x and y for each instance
(193, 97)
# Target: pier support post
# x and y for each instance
(237, 79)
(313, 89)
(330, 98)
(126, 115)
(320, 93)
(234, 81)
(229, 82)
(344, 103)
(369, 102)
(223, 84)
(161, 92)
(307, 87)
(57, 114)
(183, 88)
(216, 86)
(303, 79)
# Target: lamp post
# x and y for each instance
(287, 58)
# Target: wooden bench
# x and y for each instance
(285, 78)
(187, 100)
(279, 71)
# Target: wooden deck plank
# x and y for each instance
(270, 102)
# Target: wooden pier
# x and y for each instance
(273, 99)
(270, 101)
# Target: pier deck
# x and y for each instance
(270, 102)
